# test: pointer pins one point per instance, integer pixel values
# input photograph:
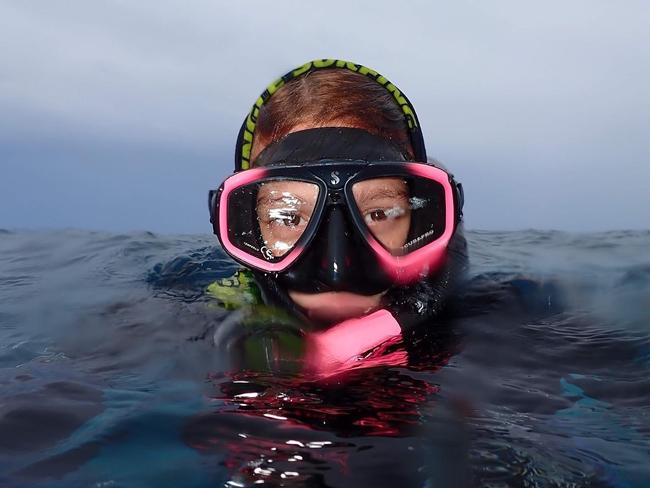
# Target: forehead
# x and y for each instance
(287, 188)
(392, 183)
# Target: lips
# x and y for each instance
(335, 306)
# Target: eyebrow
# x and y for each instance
(269, 199)
(366, 195)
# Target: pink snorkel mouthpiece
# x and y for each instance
(354, 343)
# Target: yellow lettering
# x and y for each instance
(410, 115)
(273, 87)
(303, 69)
(381, 80)
(246, 151)
(367, 71)
(254, 113)
(323, 63)
(396, 93)
(347, 65)
(250, 124)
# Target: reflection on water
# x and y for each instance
(108, 374)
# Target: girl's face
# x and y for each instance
(284, 209)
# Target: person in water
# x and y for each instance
(341, 221)
(338, 213)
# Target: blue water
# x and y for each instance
(107, 379)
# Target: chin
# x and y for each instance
(335, 306)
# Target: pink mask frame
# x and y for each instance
(402, 269)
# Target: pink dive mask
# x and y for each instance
(403, 213)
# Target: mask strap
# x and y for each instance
(247, 130)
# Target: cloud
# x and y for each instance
(541, 109)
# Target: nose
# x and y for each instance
(335, 264)
(336, 260)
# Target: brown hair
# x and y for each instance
(331, 98)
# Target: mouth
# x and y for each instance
(335, 305)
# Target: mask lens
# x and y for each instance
(404, 213)
(267, 218)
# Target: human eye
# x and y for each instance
(286, 217)
(383, 215)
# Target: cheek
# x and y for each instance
(307, 300)
(398, 234)
(403, 232)
(264, 230)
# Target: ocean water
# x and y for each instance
(541, 377)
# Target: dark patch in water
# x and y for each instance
(638, 276)
(186, 277)
(38, 420)
(59, 465)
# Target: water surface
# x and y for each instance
(540, 378)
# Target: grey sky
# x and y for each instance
(120, 115)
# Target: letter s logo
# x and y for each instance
(267, 253)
